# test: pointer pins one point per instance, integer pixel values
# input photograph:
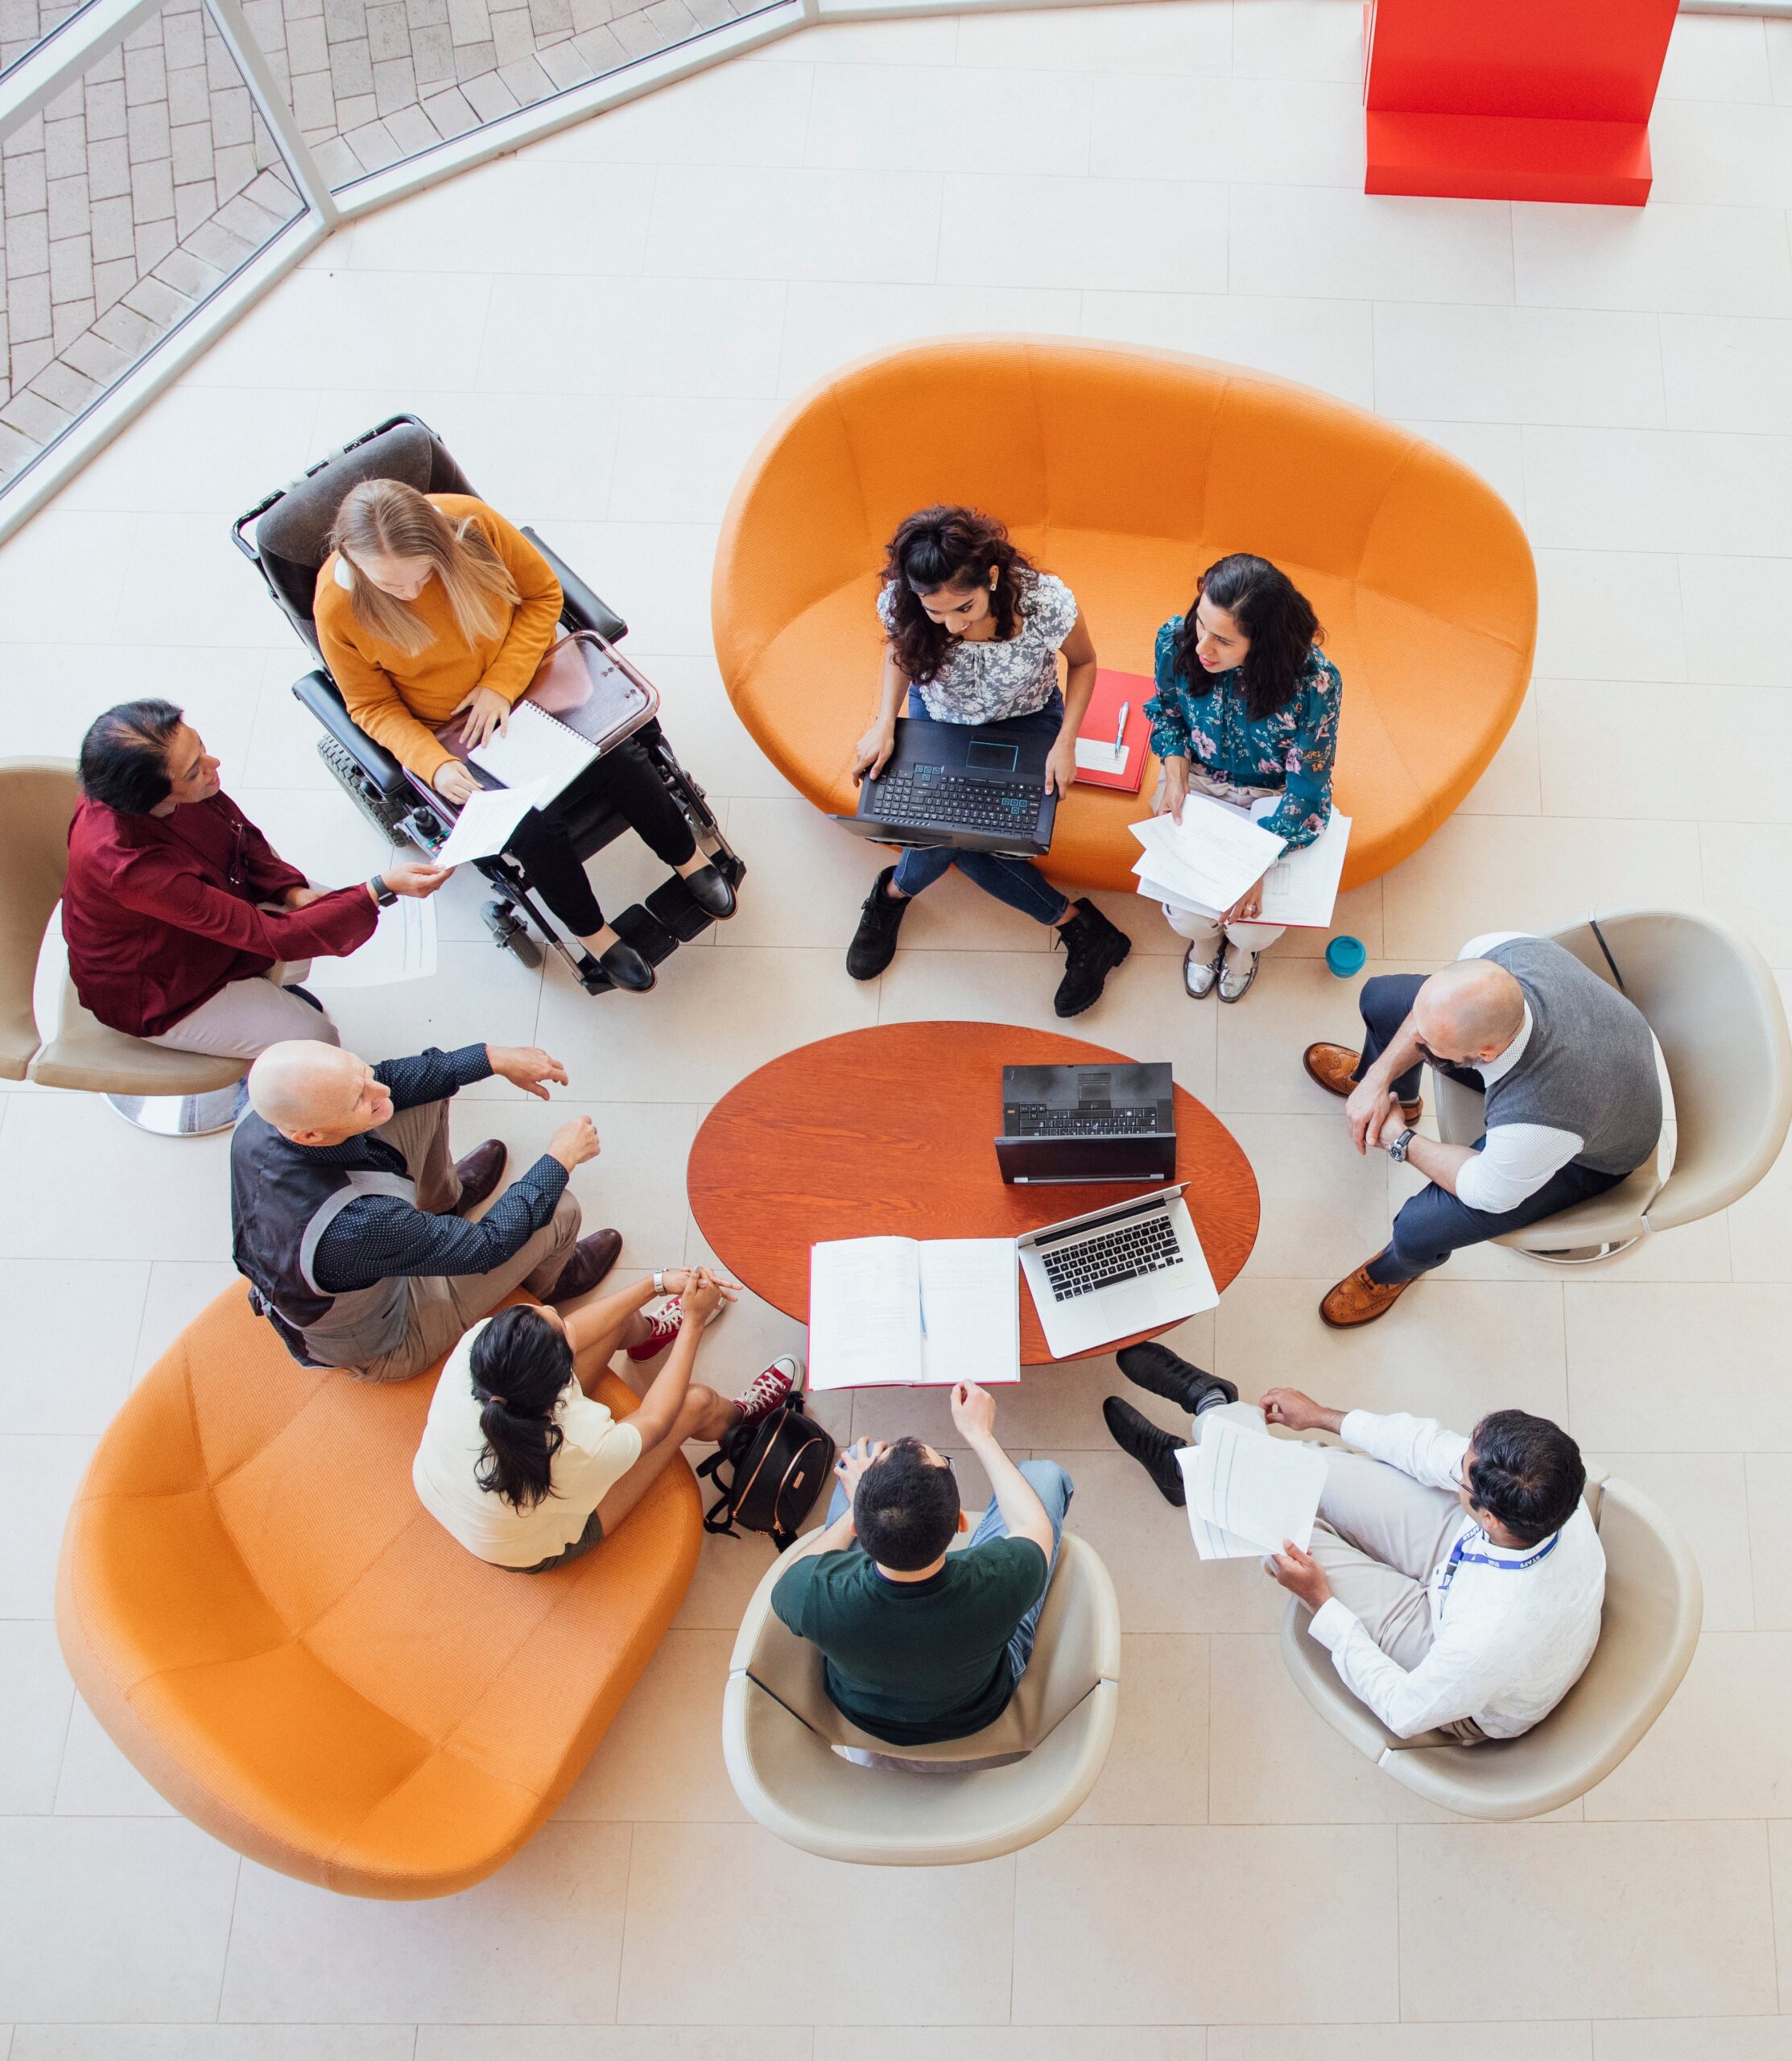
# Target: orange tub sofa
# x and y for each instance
(1128, 473)
(258, 1610)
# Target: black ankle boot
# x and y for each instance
(1092, 949)
(1154, 1450)
(873, 944)
(1166, 1373)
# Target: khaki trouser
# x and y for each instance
(444, 1308)
(244, 1018)
(1379, 1536)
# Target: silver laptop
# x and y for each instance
(1132, 1266)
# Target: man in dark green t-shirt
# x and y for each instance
(921, 1645)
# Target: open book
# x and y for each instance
(897, 1312)
(1248, 1492)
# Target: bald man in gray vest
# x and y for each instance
(1574, 1100)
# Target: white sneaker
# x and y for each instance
(1198, 975)
(1236, 972)
(779, 1381)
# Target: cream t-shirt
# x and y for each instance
(597, 1453)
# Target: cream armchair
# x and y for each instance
(1000, 1789)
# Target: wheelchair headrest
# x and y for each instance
(297, 527)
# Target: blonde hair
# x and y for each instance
(388, 519)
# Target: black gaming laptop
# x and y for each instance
(973, 787)
(1087, 1122)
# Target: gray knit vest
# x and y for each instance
(1589, 1065)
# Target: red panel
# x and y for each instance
(1588, 60)
(1491, 158)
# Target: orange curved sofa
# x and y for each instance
(1128, 473)
(260, 1611)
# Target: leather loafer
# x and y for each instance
(711, 892)
(1334, 1067)
(1155, 1367)
(480, 1173)
(626, 968)
(592, 1258)
(1358, 1300)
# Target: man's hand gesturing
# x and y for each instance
(527, 1067)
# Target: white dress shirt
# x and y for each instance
(1513, 1628)
(1518, 1158)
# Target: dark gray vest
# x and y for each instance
(283, 1198)
(1589, 1065)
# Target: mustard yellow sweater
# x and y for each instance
(401, 701)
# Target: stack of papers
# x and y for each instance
(1205, 862)
(483, 827)
(1248, 1492)
(403, 947)
(894, 1313)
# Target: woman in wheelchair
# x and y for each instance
(433, 606)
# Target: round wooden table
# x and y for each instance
(891, 1133)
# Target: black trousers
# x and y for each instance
(624, 778)
(1433, 1224)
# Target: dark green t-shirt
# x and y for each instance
(912, 1661)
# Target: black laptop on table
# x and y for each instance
(974, 787)
(1087, 1122)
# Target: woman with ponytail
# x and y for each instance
(521, 1463)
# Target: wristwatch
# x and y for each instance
(385, 896)
(1397, 1152)
(660, 1281)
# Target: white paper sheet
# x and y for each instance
(1300, 890)
(1093, 756)
(970, 1311)
(485, 822)
(536, 749)
(1248, 1492)
(1216, 852)
(865, 1313)
(403, 947)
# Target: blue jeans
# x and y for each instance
(1017, 881)
(1433, 1224)
(1054, 1487)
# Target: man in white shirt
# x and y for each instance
(1456, 1582)
(1573, 1102)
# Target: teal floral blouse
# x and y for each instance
(1292, 749)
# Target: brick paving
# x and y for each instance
(124, 203)
(151, 178)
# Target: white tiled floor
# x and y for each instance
(602, 327)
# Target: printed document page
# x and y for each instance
(1248, 1492)
(486, 819)
(1300, 890)
(403, 947)
(970, 1311)
(1215, 853)
(535, 748)
(865, 1313)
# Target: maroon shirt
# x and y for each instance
(159, 912)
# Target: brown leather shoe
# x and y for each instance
(1358, 1300)
(480, 1173)
(592, 1258)
(1334, 1067)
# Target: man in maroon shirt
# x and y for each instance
(184, 925)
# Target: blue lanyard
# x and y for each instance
(1460, 1553)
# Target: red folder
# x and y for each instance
(1100, 722)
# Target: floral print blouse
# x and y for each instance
(1293, 749)
(987, 683)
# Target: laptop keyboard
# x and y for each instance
(1146, 1247)
(953, 799)
(1034, 1119)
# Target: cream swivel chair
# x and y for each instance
(999, 1790)
(1654, 1604)
(175, 1094)
(1716, 1010)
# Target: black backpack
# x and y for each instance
(777, 1469)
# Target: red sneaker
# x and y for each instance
(782, 1380)
(662, 1329)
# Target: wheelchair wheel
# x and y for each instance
(509, 934)
(385, 815)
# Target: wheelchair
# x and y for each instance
(285, 536)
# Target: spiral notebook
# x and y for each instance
(537, 747)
